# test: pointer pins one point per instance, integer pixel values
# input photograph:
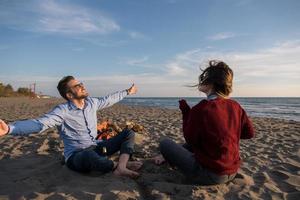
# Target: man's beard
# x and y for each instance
(79, 97)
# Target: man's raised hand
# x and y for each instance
(3, 128)
(132, 89)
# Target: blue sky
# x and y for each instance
(159, 45)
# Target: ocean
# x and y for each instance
(272, 107)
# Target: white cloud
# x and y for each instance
(281, 61)
(257, 73)
(185, 64)
(73, 19)
(148, 84)
(99, 41)
(273, 71)
(136, 35)
(135, 61)
(222, 36)
(277, 66)
(175, 69)
(141, 62)
(52, 17)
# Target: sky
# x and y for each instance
(160, 45)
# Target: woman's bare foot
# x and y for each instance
(125, 172)
(134, 165)
(158, 160)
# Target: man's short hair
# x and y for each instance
(63, 87)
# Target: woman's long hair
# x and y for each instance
(219, 75)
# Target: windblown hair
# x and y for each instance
(219, 75)
(63, 86)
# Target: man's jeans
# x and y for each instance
(94, 158)
(183, 158)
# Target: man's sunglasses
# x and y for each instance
(77, 85)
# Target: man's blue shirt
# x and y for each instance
(77, 127)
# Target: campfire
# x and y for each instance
(108, 129)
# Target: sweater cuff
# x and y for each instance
(185, 112)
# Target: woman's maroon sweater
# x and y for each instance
(214, 129)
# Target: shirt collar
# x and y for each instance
(212, 96)
(72, 106)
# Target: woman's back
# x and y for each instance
(214, 128)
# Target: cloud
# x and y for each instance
(184, 64)
(276, 66)
(280, 61)
(135, 61)
(73, 19)
(149, 84)
(52, 17)
(272, 71)
(281, 58)
(222, 36)
(175, 69)
(137, 35)
(141, 62)
(99, 41)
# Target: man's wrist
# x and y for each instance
(127, 90)
(8, 130)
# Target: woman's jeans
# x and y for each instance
(183, 158)
(94, 158)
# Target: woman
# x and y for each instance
(212, 130)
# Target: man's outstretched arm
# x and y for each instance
(111, 99)
(25, 127)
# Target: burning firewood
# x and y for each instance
(108, 129)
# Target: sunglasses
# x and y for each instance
(78, 85)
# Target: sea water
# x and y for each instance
(273, 107)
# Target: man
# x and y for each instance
(76, 121)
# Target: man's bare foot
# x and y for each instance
(125, 172)
(158, 160)
(134, 165)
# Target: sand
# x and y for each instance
(30, 167)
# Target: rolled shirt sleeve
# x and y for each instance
(109, 100)
(26, 127)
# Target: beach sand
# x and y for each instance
(30, 167)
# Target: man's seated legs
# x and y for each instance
(88, 160)
(94, 158)
(123, 142)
